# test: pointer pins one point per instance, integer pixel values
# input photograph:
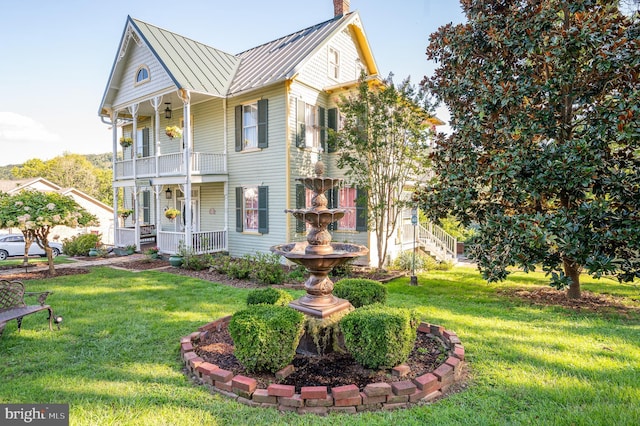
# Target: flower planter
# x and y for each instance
(175, 260)
(120, 251)
(93, 252)
(171, 214)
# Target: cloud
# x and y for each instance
(23, 138)
(16, 128)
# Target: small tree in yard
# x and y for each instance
(36, 213)
(383, 146)
(544, 155)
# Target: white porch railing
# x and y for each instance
(125, 237)
(202, 241)
(202, 163)
(432, 238)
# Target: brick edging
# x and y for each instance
(320, 399)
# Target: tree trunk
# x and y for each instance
(27, 246)
(52, 269)
(572, 270)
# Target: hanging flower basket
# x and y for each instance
(126, 142)
(173, 132)
(171, 213)
(125, 213)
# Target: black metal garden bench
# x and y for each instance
(13, 306)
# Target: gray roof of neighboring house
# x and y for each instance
(191, 64)
(8, 185)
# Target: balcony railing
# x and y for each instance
(201, 163)
(431, 238)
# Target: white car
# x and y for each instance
(13, 245)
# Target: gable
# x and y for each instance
(137, 57)
(176, 61)
(284, 58)
(317, 71)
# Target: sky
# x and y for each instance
(57, 55)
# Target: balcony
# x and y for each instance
(201, 163)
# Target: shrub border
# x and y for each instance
(319, 399)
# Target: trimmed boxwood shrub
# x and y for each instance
(266, 336)
(379, 336)
(360, 291)
(269, 296)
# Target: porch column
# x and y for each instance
(133, 109)
(114, 137)
(226, 215)
(155, 103)
(186, 140)
(226, 169)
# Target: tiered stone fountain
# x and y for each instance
(318, 254)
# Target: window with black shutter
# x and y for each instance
(252, 125)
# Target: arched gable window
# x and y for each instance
(142, 75)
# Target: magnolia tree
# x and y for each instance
(544, 154)
(383, 147)
(35, 213)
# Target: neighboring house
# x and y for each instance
(251, 123)
(103, 212)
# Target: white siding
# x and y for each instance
(158, 78)
(212, 207)
(208, 126)
(316, 72)
(261, 167)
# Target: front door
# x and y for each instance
(195, 215)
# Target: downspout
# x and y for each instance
(114, 137)
(186, 138)
(226, 169)
(287, 161)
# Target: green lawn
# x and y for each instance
(35, 259)
(116, 359)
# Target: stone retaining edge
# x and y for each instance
(318, 399)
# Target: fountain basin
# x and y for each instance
(318, 218)
(319, 184)
(319, 301)
(297, 252)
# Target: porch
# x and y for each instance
(170, 242)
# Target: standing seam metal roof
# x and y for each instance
(192, 65)
(201, 68)
(278, 60)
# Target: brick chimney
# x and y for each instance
(340, 7)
